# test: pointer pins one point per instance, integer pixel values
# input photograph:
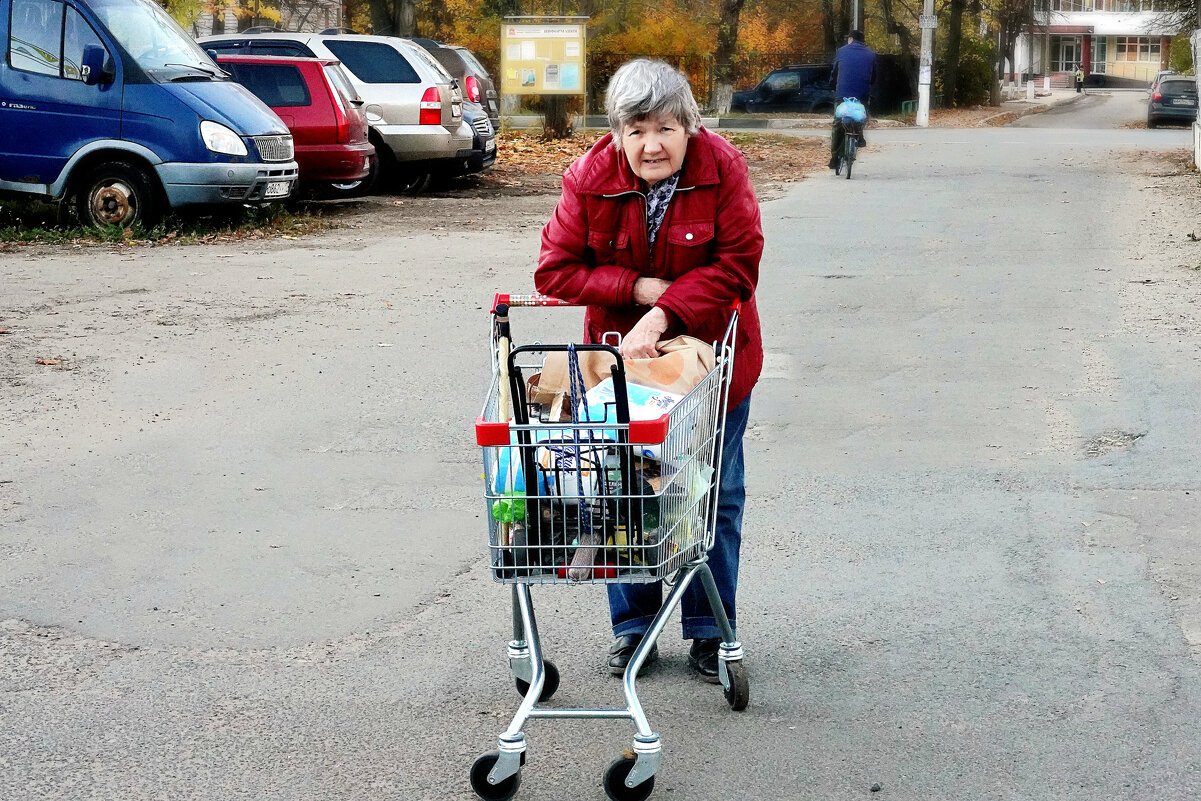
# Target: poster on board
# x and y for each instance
(542, 59)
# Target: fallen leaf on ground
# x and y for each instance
(47, 361)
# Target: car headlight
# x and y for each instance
(220, 139)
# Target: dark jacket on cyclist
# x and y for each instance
(854, 72)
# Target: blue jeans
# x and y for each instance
(632, 607)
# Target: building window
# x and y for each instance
(1100, 48)
(1137, 48)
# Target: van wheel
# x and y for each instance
(117, 193)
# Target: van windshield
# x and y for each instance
(154, 39)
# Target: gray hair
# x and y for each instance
(649, 88)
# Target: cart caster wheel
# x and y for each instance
(739, 693)
(548, 687)
(615, 782)
(492, 792)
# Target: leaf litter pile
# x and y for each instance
(527, 161)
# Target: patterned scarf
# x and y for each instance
(657, 199)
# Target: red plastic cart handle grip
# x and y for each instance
(528, 300)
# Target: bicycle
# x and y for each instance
(850, 146)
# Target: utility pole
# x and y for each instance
(926, 67)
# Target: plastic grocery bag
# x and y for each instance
(645, 404)
(851, 109)
(682, 363)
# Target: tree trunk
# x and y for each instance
(950, 82)
(903, 33)
(406, 18)
(723, 57)
(381, 17)
(829, 36)
(555, 122)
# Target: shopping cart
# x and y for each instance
(578, 493)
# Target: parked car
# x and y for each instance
(462, 64)
(414, 109)
(111, 109)
(1173, 100)
(483, 143)
(321, 108)
(1159, 76)
(800, 87)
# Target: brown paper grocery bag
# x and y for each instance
(685, 361)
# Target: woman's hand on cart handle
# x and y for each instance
(643, 340)
(647, 291)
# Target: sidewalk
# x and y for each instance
(1053, 97)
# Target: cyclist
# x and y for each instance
(853, 75)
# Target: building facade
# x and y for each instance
(1116, 42)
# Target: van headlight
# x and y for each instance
(220, 139)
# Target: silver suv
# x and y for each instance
(413, 106)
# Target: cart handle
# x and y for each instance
(504, 298)
(528, 300)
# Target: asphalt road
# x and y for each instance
(243, 538)
(1096, 108)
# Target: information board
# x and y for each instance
(542, 59)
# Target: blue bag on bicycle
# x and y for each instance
(851, 109)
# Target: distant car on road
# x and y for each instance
(799, 87)
(1173, 100)
(321, 108)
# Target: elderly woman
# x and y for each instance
(658, 233)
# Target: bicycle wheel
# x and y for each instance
(849, 158)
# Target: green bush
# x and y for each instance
(1180, 58)
(975, 71)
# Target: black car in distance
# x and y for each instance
(801, 88)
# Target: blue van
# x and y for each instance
(108, 108)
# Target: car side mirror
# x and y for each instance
(92, 65)
(211, 54)
(763, 89)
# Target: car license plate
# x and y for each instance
(490, 145)
(277, 189)
(1181, 101)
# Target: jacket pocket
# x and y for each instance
(606, 245)
(689, 246)
(690, 234)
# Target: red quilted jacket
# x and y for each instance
(595, 246)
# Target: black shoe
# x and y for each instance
(862, 140)
(623, 648)
(702, 658)
(833, 163)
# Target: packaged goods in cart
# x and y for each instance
(600, 406)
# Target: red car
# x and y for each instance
(323, 111)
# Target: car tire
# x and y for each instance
(1151, 123)
(412, 181)
(344, 190)
(116, 193)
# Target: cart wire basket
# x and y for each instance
(608, 483)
